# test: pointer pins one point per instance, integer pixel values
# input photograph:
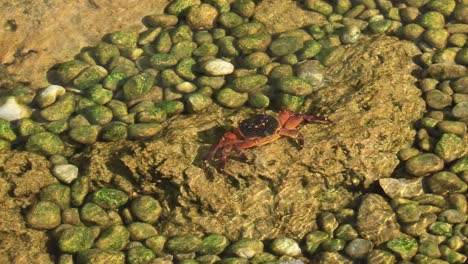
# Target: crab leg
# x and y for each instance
(293, 134)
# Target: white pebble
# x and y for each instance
(217, 67)
(65, 172)
(48, 96)
(12, 110)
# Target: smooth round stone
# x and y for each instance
(58, 194)
(285, 246)
(45, 143)
(156, 243)
(141, 231)
(450, 147)
(213, 244)
(197, 102)
(183, 244)
(423, 164)
(295, 86)
(48, 96)
(65, 172)
(437, 99)
(202, 16)
(85, 134)
(12, 110)
(454, 127)
(446, 182)
(460, 110)
(186, 87)
(44, 215)
(146, 208)
(246, 247)
(311, 71)
(217, 67)
(75, 239)
(408, 212)
(358, 248)
(452, 216)
(94, 215)
(230, 98)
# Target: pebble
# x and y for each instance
(156, 243)
(423, 164)
(449, 147)
(285, 246)
(75, 239)
(380, 256)
(358, 248)
(446, 182)
(405, 247)
(108, 198)
(453, 216)
(346, 232)
(437, 99)
(405, 188)
(146, 208)
(92, 214)
(45, 143)
(58, 194)
(183, 244)
(217, 67)
(65, 172)
(313, 240)
(12, 110)
(246, 247)
(213, 244)
(460, 110)
(44, 215)
(454, 127)
(141, 231)
(48, 95)
(311, 71)
(140, 254)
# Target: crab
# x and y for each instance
(256, 131)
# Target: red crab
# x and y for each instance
(257, 131)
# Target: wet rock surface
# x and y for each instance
(372, 108)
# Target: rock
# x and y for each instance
(446, 71)
(183, 244)
(141, 231)
(380, 256)
(229, 98)
(202, 16)
(449, 147)
(295, 86)
(45, 143)
(408, 212)
(441, 229)
(451, 255)
(437, 99)
(346, 232)
(86, 134)
(156, 244)
(253, 42)
(140, 254)
(6, 131)
(249, 83)
(43, 215)
(246, 247)
(446, 182)
(333, 245)
(197, 102)
(213, 244)
(109, 198)
(98, 255)
(285, 46)
(327, 222)
(424, 164)
(358, 248)
(58, 194)
(89, 77)
(452, 216)
(217, 67)
(75, 239)
(432, 20)
(405, 247)
(92, 214)
(285, 246)
(12, 110)
(376, 220)
(454, 127)
(146, 208)
(48, 96)
(460, 110)
(404, 188)
(313, 240)
(147, 130)
(79, 190)
(179, 6)
(60, 109)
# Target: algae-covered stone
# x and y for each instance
(114, 131)
(311, 48)
(25, 128)
(290, 102)
(93, 214)
(245, 29)
(104, 52)
(285, 45)
(197, 102)
(411, 31)
(202, 37)
(152, 115)
(98, 94)
(294, 86)
(441, 229)
(139, 255)
(408, 212)
(460, 13)
(259, 100)
(85, 134)
(98, 115)
(206, 49)
(446, 71)
(67, 71)
(217, 67)
(281, 71)
(45, 143)
(460, 110)
(146, 208)
(405, 247)
(136, 131)
(118, 108)
(156, 244)
(213, 244)
(212, 82)
(230, 98)
(256, 60)
(454, 127)
(177, 7)
(330, 56)
(445, 7)
(322, 7)
(101, 256)
(161, 20)
(163, 60)
(449, 147)
(43, 215)
(115, 237)
(246, 247)
(285, 246)
(124, 38)
(65, 172)
(253, 42)
(169, 77)
(249, 83)
(163, 42)
(183, 49)
(358, 248)
(437, 99)
(185, 69)
(181, 33)
(462, 57)
(432, 20)
(453, 216)
(229, 19)
(202, 16)
(79, 190)
(183, 244)
(333, 245)
(171, 107)
(226, 46)
(245, 8)
(346, 232)
(141, 231)
(138, 85)
(186, 87)
(61, 109)
(75, 239)
(452, 256)
(6, 131)
(437, 38)
(424, 164)
(446, 182)
(109, 198)
(89, 77)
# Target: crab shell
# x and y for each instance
(261, 125)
